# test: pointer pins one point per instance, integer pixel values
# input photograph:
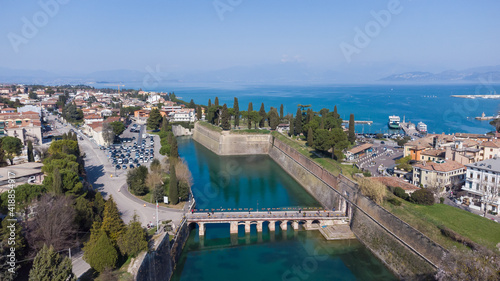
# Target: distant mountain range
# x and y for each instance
(489, 73)
(278, 73)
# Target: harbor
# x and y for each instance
(483, 117)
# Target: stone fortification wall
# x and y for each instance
(178, 131)
(157, 264)
(224, 143)
(208, 138)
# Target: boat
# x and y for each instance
(394, 122)
(422, 127)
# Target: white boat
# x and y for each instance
(422, 127)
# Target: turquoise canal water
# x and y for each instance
(230, 182)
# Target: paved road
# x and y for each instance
(263, 215)
(99, 171)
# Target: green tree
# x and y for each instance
(250, 110)
(2, 155)
(12, 147)
(291, 129)
(99, 252)
(191, 104)
(298, 122)
(310, 139)
(216, 103)
(112, 223)
(281, 111)
(274, 119)
(165, 127)
(255, 117)
(352, 135)
(225, 118)
(5, 248)
(31, 158)
(183, 188)
(209, 103)
(32, 95)
(173, 193)
(118, 127)
(154, 120)
(236, 108)
(422, 196)
(84, 213)
(199, 113)
(263, 115)
(56, 182)
(136, 180)
(133, 240)
(50, 266)
(174, 152)
(309, 115)
(323, 140)
(340, 142)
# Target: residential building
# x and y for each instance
(89, 119)
(23, 125)
(482, 185)
(443, 173)
(489, 149)
(94, 131)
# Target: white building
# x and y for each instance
(482, 184)
(184, 115)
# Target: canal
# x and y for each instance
(251, 182)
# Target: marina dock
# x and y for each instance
(409, 130)
(358, 122)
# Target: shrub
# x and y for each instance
(423, 197)
(399, 192)
(367, 174)
(394, 201)
(441, 200)
(374, 190)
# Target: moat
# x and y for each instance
(251, 182)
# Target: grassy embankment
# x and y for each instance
(329, 164)
(427, 219)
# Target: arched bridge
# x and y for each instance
(309, 219)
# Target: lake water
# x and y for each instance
(230, 182)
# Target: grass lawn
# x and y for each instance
(210, 126)
(250, 131)
(427, 219)
(147, 197)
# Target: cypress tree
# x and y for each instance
(225, 118)
(31, 158)
(133, 241)
(291, 129)
(191, 104)
(335, 114)
(281, 111)
(99, 252)
(173, 193)
(236, 108)
(209, 103)
(56, 182)
(352, 135)
(216, 101)
(112, 223)
(198, 113)
(273, 119)
(298, 122)
(250, 109)
(310, 139)
(263, 115)
(164, 124)
(49, 265)
(174, 152)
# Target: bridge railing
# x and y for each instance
(282, 209)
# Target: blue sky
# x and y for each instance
(189, 35)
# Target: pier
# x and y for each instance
(310, 220)
(358, 122)
(409, 130)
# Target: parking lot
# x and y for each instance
(135, 149)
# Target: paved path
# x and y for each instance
(263, 215)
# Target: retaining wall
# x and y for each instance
(157, 264)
